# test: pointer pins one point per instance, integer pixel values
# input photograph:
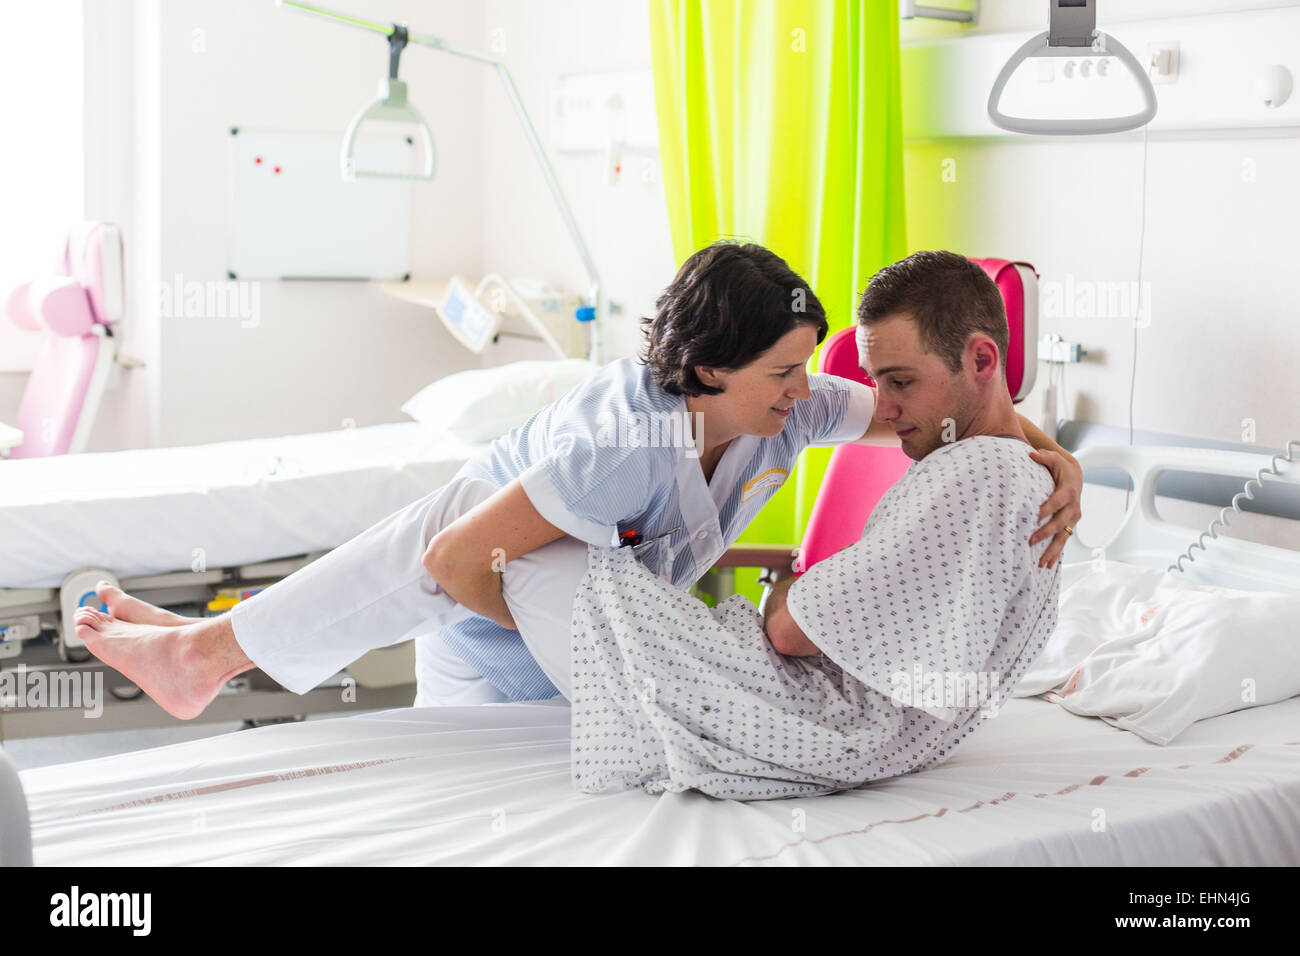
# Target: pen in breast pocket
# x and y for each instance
(633, 539)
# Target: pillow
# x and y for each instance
(1151, 653)
(483, 404)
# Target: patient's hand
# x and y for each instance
(785, 636)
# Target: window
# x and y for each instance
(42, 160)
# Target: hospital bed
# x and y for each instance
(490, 784)
(182, 526)
(196, 529)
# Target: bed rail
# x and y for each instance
(1146, 539)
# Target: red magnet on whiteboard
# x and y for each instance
(277, 169)
(258, 159)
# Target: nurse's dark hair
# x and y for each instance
(729, 303)
(949, 298)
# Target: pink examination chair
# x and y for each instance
(76, 309)
(858, 475)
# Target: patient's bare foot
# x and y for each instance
(181, 667)
(126, 608)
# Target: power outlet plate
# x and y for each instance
(1162, 62)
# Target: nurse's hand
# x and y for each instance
(1063, 505)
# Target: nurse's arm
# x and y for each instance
(785, 636)
(466, 558)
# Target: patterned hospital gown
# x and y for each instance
(925, 626)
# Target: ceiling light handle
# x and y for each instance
(1103, 45)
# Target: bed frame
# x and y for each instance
(1142, 538)
(384, 676)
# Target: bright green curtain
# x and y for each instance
(780, 123)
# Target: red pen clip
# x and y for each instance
(629, 539)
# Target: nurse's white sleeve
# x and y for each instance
(841, 410)
(586, 489)
(546, 498)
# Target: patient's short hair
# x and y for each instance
(949, 297)
(729, 303)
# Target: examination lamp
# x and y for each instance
(393, 106)
(1072, 32)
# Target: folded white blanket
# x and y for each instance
(1150, 653)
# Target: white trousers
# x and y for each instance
(372, 591)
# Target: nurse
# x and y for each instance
(673, 454)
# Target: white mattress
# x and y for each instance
(161, 509)
(490, 785)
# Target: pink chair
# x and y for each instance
(76, 309)
(858, 475)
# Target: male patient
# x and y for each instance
(884, 656)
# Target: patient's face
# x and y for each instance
(916, 394)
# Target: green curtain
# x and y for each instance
(780, 123)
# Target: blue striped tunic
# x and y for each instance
(615, 455)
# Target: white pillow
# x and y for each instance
(483, 404)
(1150, 653)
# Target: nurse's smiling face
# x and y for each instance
(757, 399)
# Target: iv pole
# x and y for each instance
(594, 313)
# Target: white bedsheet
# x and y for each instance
(154, 510)
(491, 785)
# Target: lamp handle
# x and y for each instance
(1068, 127)
(391, 109)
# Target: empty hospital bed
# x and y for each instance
(198, 528)
(491, 784)
(178, 526)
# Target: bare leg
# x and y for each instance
(371, 591)
(182, 667)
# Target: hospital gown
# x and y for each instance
(925, 625)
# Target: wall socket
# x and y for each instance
(1162, 61)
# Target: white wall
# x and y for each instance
(322, 352)
(326, 352)
(625, 223)
(1219, 251)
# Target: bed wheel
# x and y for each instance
(73, 655)
(268, 721)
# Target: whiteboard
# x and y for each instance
(292, 215)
